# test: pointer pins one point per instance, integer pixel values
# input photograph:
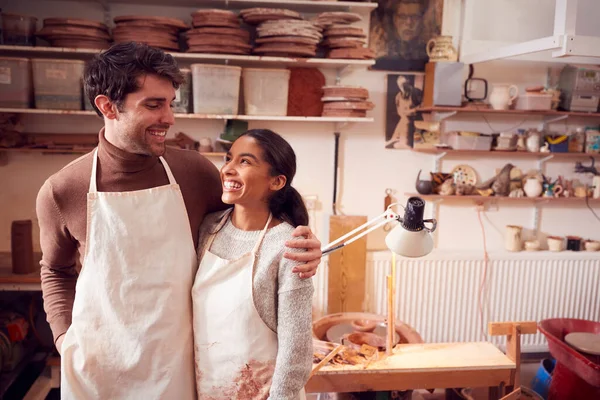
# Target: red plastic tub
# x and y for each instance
(577, 375)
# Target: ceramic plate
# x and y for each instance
(585, 342)
(464, 174)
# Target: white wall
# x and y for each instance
(367, 168)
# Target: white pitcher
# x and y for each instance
(501, 97)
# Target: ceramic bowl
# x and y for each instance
(555, 243)
(371, 339)
(532, 245)
(592, 245)
(363, 325)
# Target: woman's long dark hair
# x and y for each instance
(286, 204)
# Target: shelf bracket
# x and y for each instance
(537, 214)
(338, 126)
(437, 161)
(542, 161)
(548, 121)
(339, 74)
(442, 115)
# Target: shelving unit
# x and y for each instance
(494, 199)
(230, 59)
(76, 151)
(306, 6)
(196, 116)
(508, 154)
(483, 110)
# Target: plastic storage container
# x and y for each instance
(470, 142)
(15, 83)
(534, 101)
(18, 29)
(183, 98)
(57, 84)
(266, 91)
(216, 88)
(592, 140)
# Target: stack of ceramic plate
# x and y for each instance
(346, 101)
(217, 31)
(255, 16)
(75, 33)
(341, 39)
(337, 17)
(161, 32)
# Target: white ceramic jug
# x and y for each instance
(501, 97)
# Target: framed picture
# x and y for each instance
(400, 30)
(404, 96)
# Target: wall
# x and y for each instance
(367, 169)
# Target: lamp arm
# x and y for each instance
(335, 245)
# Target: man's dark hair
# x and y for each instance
(115, 72)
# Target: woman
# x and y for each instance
(252, 314)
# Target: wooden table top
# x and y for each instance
(420, 366)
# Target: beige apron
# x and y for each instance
(235, 351)
(131, 334)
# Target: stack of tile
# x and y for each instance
(161, 32)
(217, 31)
(346, 101)
(341, 39)
(75, 33)
(283, 32)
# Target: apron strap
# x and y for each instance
(172, 180)
(93, 188)
(211, 238)
(262, 234)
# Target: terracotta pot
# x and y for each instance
(555, 243)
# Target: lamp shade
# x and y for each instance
(409, 243)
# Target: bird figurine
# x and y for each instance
(499, 184)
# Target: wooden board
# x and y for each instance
(505, 328)
(7, 276)
(420, 366)
(346, 291)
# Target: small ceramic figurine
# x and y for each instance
(517, 193)
(447, 188)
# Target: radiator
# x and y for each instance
(438, 295)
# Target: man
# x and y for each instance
(407, 19)
(132, 210)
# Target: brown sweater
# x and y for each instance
(62, 201)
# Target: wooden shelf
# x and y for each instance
(508, 154)
(10, 281)
(229, 59)
(474, 110)
(77, 151)
(484, 199)
(197, 116)
(308, 6)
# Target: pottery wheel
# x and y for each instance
(75, 22)
(215, 12)
(585, 342)
(254, 13)
(336, 332)
(346, 31)
(284, 49)
(336, 42)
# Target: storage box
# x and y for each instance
(183, 97)
(18, 30)
(57, 84)
(534, 101)
(558, 143)
(469, 142)
(592, 140)
(15, 83)
(216, 88)
(266, 91)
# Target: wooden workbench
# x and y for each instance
(14, 282)
(421, 366)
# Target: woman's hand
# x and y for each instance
(311, 257)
